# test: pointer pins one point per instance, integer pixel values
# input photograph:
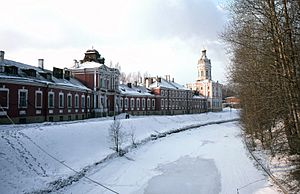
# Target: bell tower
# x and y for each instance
(204, 67)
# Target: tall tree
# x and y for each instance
(264, 38)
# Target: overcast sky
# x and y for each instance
(155, 36)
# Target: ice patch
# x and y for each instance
(186, 175)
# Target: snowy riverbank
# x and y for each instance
(25, 168)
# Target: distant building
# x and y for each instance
(173, 98)
(205, 86)
(232, 101)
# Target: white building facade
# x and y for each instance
(205, 86)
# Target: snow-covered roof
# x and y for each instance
(163, 83)
(134, 90)
(94, 65)
(23, 77)
(199, 97)
(87, 64)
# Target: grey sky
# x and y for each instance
(160, 37)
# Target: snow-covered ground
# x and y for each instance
(216, 151)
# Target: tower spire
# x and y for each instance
(204, 67)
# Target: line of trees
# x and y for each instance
(264, 43)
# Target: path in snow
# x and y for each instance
(210, 159)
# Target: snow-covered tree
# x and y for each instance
(116, 136)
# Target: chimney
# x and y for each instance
(2, 56)
(168, 78)
(129, 85)
(135, 83)
(173, 79)
(67, 74)
(159, 79)
(76, 63)
(41, 63)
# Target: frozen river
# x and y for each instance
(210, 159)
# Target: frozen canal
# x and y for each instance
(210, 159)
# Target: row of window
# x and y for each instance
(23, 99)
(61, 100)
(108, 83)
(124, 102)
(178, 104)
(175, 93)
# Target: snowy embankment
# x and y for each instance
(25, 167)
(206, 160)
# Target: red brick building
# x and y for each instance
(33, 94)
(89, 89)
(173, 98)
(101, 79)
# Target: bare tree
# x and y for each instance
(264, 40)
(117, 137)
(132, 137)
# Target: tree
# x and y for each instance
(264, 41)
(117, 137)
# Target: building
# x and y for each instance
(33, 94)
(137, 100)
(205, 86)
(173, 98)
(89, 89)
(232, 102)
(101, 79)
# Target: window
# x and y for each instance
(162, 103)
(82, 101)
(126, 103)
(61, 100)
(166, 103)
(162, 93)
(132, 103)
(69, 100)
(38, 99)
(101, 83)
(107, 84)
(88, 101)
(201, 73)
(23, 96)
(153, 104)
(148, 103)
(143, 103)
(101, 101)
(76, 100)
(51, 100)
(138, 103)
(121, 102)
(4, 97)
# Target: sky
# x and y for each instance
(154, 36)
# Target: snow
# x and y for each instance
(185, 178)
(163, 83)
(88, 64)
(83, 144)
(134, 90)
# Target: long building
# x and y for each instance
(88, 89)
(33, 94)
